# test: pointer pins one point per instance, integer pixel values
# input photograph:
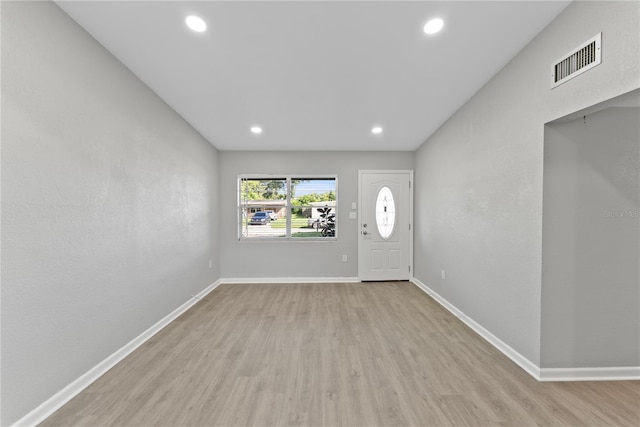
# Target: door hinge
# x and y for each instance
(409, 227)
(409, 269)
(409, 184)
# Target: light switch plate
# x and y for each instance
(353, 215)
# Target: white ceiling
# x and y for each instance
(314, 75)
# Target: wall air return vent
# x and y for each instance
(583, 58)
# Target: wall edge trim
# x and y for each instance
(616, 373)
(528, 366)
(275, 280)
(55, 402)
(624, 373)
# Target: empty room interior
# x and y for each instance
(358, 213)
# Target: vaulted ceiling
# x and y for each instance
(314, 75)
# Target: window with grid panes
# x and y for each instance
(287, 207)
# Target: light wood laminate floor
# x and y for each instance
(355, 354)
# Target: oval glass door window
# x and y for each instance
(385, 212)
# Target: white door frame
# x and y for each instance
(411, 227)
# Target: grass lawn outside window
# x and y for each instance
(297, 207)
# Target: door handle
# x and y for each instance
(365, 232)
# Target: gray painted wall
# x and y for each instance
(109, 202)
(478, 206)
(591, 241)
(250, 259)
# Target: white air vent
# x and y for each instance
(583, 58)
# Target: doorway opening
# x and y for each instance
(591, 237)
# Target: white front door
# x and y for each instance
(385, 241)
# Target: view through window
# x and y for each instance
(289, 207)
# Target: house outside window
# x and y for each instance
(289, 207)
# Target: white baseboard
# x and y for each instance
(590, 374)
(541, 374)
(530, 367)
(56, 401)
(272, 280)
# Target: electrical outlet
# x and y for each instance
(444, 276)
(344, 258)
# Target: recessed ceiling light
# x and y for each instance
(433, 26)
(256, 130)
(376, 130)
(196, 24)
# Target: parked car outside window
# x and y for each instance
(260, 218)
(272, 215)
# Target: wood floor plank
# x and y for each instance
(343, 354)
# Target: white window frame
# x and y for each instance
(289, 207)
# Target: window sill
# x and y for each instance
(286, 240)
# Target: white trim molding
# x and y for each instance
(540, 374)
(59, 399)
(274, 280)
(530, 367)
(590, 374)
